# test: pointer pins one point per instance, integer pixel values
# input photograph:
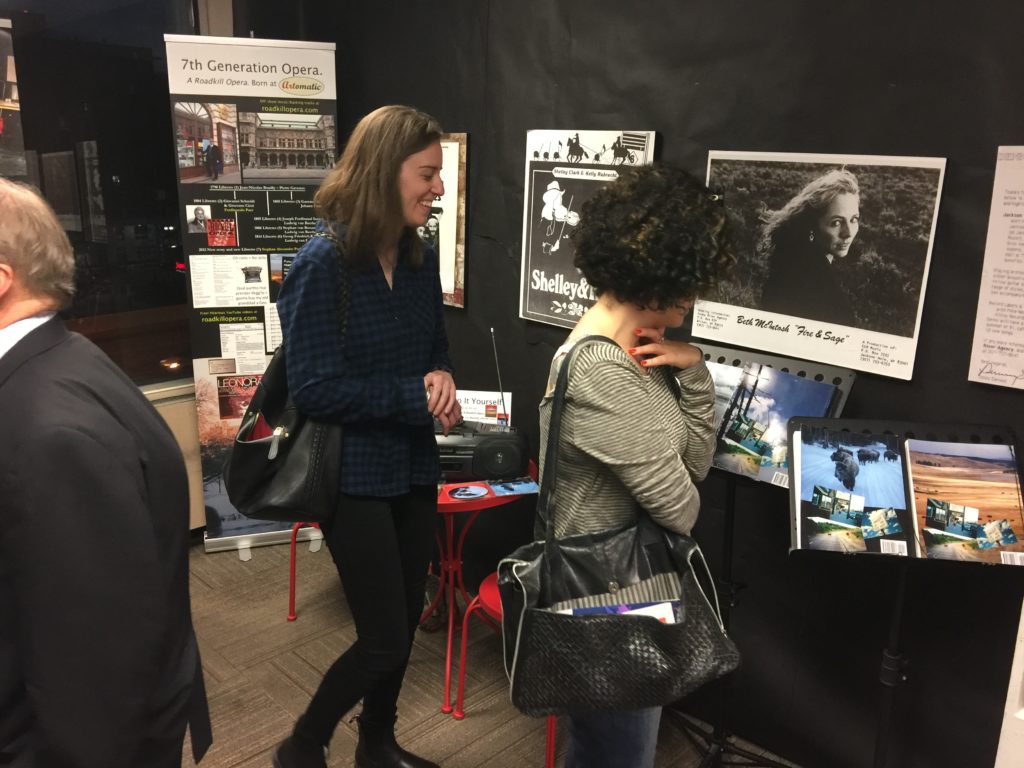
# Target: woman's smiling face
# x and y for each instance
(837, 224)
(419, 183)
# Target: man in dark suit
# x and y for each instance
(98, 660)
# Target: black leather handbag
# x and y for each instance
(283, 465)
(560, 662)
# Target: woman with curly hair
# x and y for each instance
(637, 429)
(803, 240)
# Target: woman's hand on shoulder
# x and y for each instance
(653, 349)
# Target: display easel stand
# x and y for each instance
(894, 664)
(716, 745)
(892, 672)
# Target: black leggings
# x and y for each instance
(381, 547)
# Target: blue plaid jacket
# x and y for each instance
(372, 380)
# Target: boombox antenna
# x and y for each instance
(497, 368)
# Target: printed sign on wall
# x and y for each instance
(564, 169)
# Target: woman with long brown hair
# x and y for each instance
(381, 370)
(805, 241)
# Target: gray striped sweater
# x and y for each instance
(628, 439)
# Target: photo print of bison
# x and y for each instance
(832, 251)
(852, 493)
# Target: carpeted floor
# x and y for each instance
(261, 670)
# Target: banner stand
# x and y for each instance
(255, 132)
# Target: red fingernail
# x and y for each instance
(631, 351)
(643, 362)
(638, 331)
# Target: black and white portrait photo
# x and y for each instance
(830, 244)
(198, 219)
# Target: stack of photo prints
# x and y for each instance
(885, 493)
(753, 404)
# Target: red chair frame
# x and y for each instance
(488, 600)
(291, 567)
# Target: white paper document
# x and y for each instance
(997, 355)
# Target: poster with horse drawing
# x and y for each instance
(564, 169)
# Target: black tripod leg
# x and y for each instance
(717, 748)
(716, 745)
(892, 671)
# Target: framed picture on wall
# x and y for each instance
(564, 169)
(445, 230)
(832, 254)
(12, 144)
(60, 186)
(94, 217)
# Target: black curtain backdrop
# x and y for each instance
(916, 78)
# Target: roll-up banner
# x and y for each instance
(254, 134)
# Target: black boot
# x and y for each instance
(377, 748)
(294, 754)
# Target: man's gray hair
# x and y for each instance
(34, 244)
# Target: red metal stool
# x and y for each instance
(291, 568)
(488, 599)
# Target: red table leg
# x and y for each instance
(448, 571)
(429, 610)
(452, 585)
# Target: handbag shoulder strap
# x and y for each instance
(277, 362)
(545, 502)
(344, 281)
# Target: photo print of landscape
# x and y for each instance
(753, 405)
(851, 493)
(967, 501)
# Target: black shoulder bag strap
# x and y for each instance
(344, 284)
(273, 387)
(546, 496)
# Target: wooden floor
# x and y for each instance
(262, 669)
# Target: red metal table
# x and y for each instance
(451, 501)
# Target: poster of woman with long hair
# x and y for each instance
(832, 256)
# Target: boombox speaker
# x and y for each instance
(477, 451)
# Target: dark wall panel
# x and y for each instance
(937, 79)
